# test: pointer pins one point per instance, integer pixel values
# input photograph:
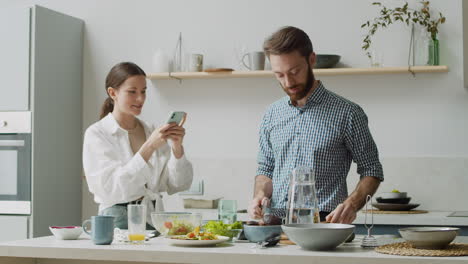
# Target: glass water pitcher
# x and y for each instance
(302, 207)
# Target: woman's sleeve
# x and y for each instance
(177, 174)
(109, 178)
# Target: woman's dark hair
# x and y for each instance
(286, 40)
(118, 75)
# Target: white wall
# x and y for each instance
(419, 124)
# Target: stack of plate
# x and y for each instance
(394, 201)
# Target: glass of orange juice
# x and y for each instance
(136, 223)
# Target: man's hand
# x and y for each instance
(344, 213)
(262, 190)
(255, 208)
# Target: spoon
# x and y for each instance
(269, 242)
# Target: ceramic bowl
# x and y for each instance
(326, 61)
(393, 200)
(260, 233)
(66, 232)
(429, 237)
(175, 223)
(393, 195)
(318, 236)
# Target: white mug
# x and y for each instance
(256, 61)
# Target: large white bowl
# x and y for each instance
(66, 232)
(318, 236)
(429, 237)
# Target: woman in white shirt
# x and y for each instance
(125, 160)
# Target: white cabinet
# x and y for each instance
(14, 59)
(13, 228)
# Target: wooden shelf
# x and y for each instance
(317, 72)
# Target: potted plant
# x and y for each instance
(411, 17)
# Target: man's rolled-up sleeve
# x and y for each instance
(360, 143)
(265, 158)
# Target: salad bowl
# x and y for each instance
(175, 223)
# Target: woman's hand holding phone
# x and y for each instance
(173, 131)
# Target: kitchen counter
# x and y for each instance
(383, 223)
(434, 218)
(48, 250)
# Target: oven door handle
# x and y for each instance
(11, 143)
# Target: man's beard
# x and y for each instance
(304, 88)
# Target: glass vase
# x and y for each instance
(433, 52)
(420, 49)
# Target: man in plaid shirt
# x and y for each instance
(312, 127)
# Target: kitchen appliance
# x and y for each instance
(15, 163)
(302, 207)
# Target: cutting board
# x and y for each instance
(285, 240)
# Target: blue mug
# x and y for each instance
(102, 229)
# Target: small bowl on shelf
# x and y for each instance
(66, 232)
(429, 237)
(326, 61)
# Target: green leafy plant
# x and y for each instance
(403, 14)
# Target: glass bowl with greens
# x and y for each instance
(175, 223)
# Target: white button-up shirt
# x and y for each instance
(115, 175)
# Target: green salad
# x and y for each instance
(222, 229)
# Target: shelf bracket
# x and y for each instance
(171, 76)
(411, 71)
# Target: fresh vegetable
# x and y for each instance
(222, 229)
(178, 227)
(196, 234)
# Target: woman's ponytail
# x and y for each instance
(107, 107)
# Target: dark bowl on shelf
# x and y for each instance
(326, 61)
(393, 200)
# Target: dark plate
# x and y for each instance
(393, 200)
(394, 207)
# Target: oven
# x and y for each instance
(15, 163)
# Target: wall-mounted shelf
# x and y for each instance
(317, 72)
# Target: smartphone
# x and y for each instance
(176, 117)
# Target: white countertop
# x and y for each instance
(431, 218)
(157, 250)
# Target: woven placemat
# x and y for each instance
(396, 212)
(405, 249)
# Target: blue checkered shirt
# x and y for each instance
(327, 134)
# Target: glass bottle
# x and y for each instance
(433, 51)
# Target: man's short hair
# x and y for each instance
(286, 40)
